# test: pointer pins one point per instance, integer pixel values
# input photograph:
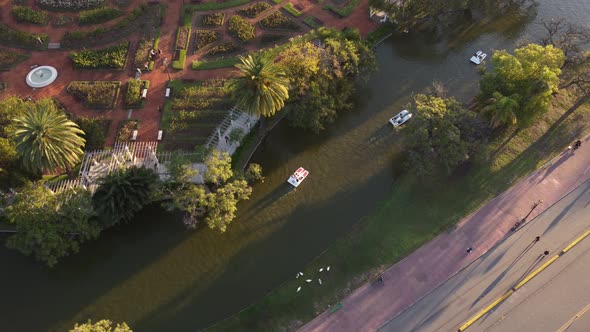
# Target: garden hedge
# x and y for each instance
(95, 94)
(213, 20)
(241, 28)
(9, 59)
(113, 57)
(98, 15)
(292, 10)
(21, 39)
(179, 63)
(278, 21)
(24, 14)
(254, 9)
(133, 93)
(205, 37)
(69, 5)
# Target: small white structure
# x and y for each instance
(296, 178)
(167, 92)
(41, 77)
(478, 57)
(160, 133)
(144, 93)
(401, 118)
(134, 135)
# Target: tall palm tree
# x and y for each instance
(45, 138)
(124, 192)
(261, 87)
(501, 109)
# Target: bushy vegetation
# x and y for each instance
(278, 21)
(102, 325)
(343, 11)
(179, 63)
(113, 57)
(95, 132)
(213, 20)
(142, 55)
(182, 38)
(98, 15)
(69, 5)
(95, 94)
(25, 14)
(126, 128)
(10, 58)
(205, 37)
(312, 22)
(254, 9)
(16, 38)
(221, 49)
(292, 10)
(133, 92)
(268, 39)
(240, 28)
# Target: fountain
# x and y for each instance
(41, 76)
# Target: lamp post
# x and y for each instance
(533, 207)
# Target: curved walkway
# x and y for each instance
(372, 305)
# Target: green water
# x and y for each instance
(157, 276)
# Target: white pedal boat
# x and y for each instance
(296, 178)
(478, 57)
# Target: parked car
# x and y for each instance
(478, 57)
(401, 118)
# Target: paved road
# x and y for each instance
(544, 304)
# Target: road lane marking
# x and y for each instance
(573, 319)
(528, 278)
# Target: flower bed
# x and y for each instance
(254, 9)
(142, 55)
(62, 21)
(98, 15)
(69, 5)
(24, 14)
(126, 128)
(113, 57)
(133, 93)
(225, 48)
(313, 22)
(240, 28)
(182, 38)
(212, 20)
(142, 17)
(268, 39)
(292, 10)
(205, 37)
(95, 94)
(343, 11)
(278, 21)
(16, 38)
(10, 58)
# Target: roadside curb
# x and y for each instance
(528, 278)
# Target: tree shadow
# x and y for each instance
(562, 214)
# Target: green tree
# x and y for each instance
(104, 325)
(502, 109)
(441, 135)
(222, 205)
(50, 226)
(192, 200)
(218, 167)
(254, 173)
(530, 76)
(181, 169)
(261, 87)
(46, 139)
(123, 193)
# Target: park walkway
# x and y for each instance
(372, 305)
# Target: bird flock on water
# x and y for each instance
(300, 274)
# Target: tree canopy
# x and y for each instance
(528, 78)
(104, 325)
(50, 226)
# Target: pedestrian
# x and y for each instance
(469, 250)
(139, 71)
(159, 52)
(537, 239)
(226, 138)
(578, 144)
(165, 62)
(546, 253)
(152, 53)
(381, 279)
(146, 66)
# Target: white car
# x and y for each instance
(478, 57)
(401, 118)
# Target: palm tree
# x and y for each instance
(501, 109)
(46, 140)
(261, 87)
(124, 192)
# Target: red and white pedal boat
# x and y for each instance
(296, 178)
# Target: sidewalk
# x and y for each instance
(369, 307)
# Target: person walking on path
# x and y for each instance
(469, 250)
(537, 239)
(577, 145)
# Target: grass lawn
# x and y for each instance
(413, 214)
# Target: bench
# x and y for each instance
(336, 307)
(134, 135)
(144, 94)
(167, 92)
(160, 133)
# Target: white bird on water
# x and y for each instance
(298, 289)
(300, 273)
(328, 268)
(308, 280)
(321, 269)
(320, 281)
(297, 276)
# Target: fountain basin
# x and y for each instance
(41, 76)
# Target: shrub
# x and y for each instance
(95, 132)
(24, 14)
(254, 9)
(126, 128)
(225, 48)
(113, 57)
(10, 58)
(182, 38)
(62, 21)
(133, 92)
(21, 39)
(95, 94)
(98, 15)
(240, 28)
(212, 20)
(179, 64)
(343, 11)
(312, 22)
(69, 5)
(292, 10)
(205, 37)
(278, 21)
